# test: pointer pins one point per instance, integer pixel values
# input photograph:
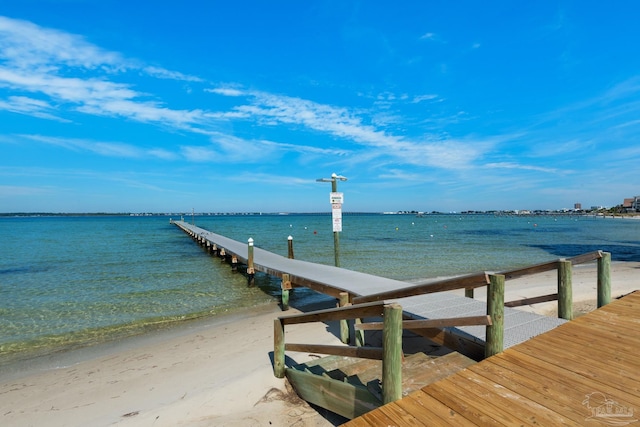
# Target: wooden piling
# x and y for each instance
(251, 272)
(359, 333)
(494, 335)
(604, 279)
(290, 247)
(565, 293)
(285, 287)
(392, 353)
(344, 325)
(278, 348)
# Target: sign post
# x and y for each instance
(336, 200)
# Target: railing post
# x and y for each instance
(290, 247)
(285, 286)
(251, 272)
(359, 334)
(565, 293)
(278, 348)
(392, 353)
(468, 292)
(344, 325)
(604, 279)
(494, 335)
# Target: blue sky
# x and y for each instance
(159, 106)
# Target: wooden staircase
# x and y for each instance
(351, 387)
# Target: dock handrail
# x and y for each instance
(477, 280)
(391, 351)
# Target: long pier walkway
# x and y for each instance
(585, 372)
(519, 326)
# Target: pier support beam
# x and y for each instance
(494, 335)
(251, 272)
(565, 293)
(278, 349)
(344, 325)
(290, 247)
(392, 353)
(604, 279)
(285, 288)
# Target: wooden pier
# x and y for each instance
(419, 302)
(473, 329)
(585, 372)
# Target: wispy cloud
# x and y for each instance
(108, 149)
(54, 64)
(272, 110)
(14, 190)
(46, 67)
(30, 106)
(509, 165)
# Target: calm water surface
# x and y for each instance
(74, 281)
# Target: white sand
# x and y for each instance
(213, 375)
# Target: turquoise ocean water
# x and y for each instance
(68, 282)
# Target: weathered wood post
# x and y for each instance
(392, 353)
(290, 247)
(278, 348)
(234, 263)
(468, 292)
(344, 325)
(494, 334)
(359, 334)
(251, 272)
(285, 287)
(565, 293)
(223, 254)
(604, 279)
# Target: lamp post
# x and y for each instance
(336, 210)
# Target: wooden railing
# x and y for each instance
(495, 283)
(477, 280)
(391, 351)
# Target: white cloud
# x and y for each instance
(226, 91)
(272, 110)
(107, 149)
(30, 106)
(14, 190)
(55, 64)
(509, 165)
(420, 98)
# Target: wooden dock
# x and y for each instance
(585, 372)
(519, 326)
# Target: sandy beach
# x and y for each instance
(212, 373)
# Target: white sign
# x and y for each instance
(336, 214)
(336, 198)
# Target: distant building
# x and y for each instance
(577, 206)
(631, 204)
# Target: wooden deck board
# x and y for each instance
(555, 378)
(530, 386)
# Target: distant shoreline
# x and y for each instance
(410, 213)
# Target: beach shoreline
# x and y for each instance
(214, 372)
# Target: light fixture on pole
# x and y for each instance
(336, 212)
